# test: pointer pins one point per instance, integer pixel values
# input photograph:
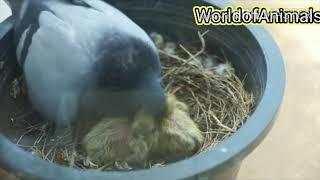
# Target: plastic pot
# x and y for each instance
(251, 50)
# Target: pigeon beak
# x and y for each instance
(154, 99)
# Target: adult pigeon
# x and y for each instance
(84, 59)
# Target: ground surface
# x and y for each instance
(292, 149)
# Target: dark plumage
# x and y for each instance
(84, 58)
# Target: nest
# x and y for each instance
(219, 105)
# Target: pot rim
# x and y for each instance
(235, 147)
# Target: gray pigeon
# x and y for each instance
(84, 59)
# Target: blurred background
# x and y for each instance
(291, 151)
(292, 148)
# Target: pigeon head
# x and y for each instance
(126, 78)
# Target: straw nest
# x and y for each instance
(217, 101)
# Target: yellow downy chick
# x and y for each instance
(119, 140)
(179, 136)
(137, 140)
(143, 124)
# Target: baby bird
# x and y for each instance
(157, 39)
(120, 140)
(225, 70)
(135, 141)
(170, 48)
(179, 136)
(214, 65)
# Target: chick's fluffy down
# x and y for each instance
(111, 141)
(179, 136)
(174, 137)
